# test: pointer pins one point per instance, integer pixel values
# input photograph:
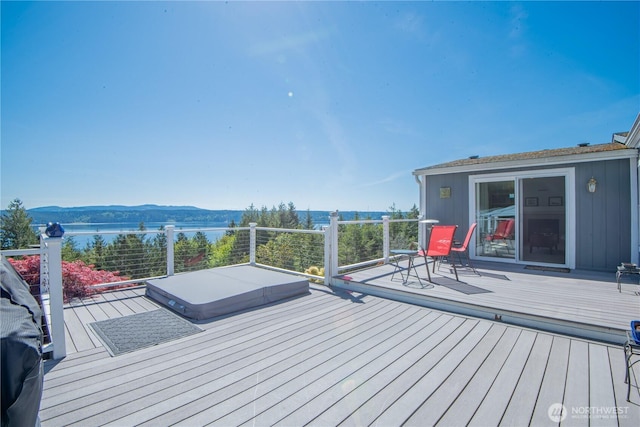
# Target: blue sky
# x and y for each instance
(329, 105)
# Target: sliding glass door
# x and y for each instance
(543, 220)
(495, 215)
(523, 216)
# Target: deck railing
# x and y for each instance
(333, 250)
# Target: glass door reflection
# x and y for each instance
(495, 215)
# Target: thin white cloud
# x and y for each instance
(517, 29)
(390, 178)
(518, 21)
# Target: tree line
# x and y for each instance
(144, 254)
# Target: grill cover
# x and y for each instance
(21, 334)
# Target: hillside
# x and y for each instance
(156, 213)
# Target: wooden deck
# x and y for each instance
(335, 358)
(579, 303)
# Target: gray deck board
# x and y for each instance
(471, 395)
(305, 405)
(600, 383)
(119, 302)
(85, 317)
(576, 391)
(496, 401)
(554, 380)
(333, 358)
(590, 301)
(361, 388)
(283, 373)
(100, 302)
(70, 346)
(270, 408)
(78, 333)
(274, 366)
(461, 343)
(522, 403)
(436, 404)
(627, 419)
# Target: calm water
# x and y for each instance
(113, 228)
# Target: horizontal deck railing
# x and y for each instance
(141, 255)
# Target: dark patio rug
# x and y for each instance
(542, 268)
(131, 333)
(465, 288)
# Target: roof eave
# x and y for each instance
(545, 161)
(633, 139)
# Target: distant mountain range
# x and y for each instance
(156, 213)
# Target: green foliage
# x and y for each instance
(137, 256)
(284, 216)
(315, 271)
(70, 251)
(359, 242)
(16, 231)
(191, 254)
(94, 252)
(403, 235)
(363, 242)
(222, 250)
(278, 252)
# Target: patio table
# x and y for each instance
(631, 349)
(401, 253)
(626, 270)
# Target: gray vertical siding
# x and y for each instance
(603, 219)
(454, 210)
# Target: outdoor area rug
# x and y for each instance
(137, 331)
(542, 268)
(465, 288)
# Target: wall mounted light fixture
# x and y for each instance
(591, 185)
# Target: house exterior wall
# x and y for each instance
(603, 219)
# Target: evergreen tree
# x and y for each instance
(157, 253)
(250, 214)
(16, 231)
(221, 251)
(308, 221)
(94, 252)
(70, 250)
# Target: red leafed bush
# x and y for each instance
(77, 277)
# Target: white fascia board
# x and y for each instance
(548, 161)
(633, 139)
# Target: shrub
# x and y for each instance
(316, 271)
(77, 277)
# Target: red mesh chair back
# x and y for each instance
(503, 230)
(464, 248)
(441, 240)
(467, 239)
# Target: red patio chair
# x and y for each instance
(503, 232)
(440, 243)
(464, 247)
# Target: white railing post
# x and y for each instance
(333, 236)
(252, 243)
(170, 252)
(44, 273)
(52, 248)
(327, 254)
(385, 238)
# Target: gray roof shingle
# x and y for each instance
(540, 154)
